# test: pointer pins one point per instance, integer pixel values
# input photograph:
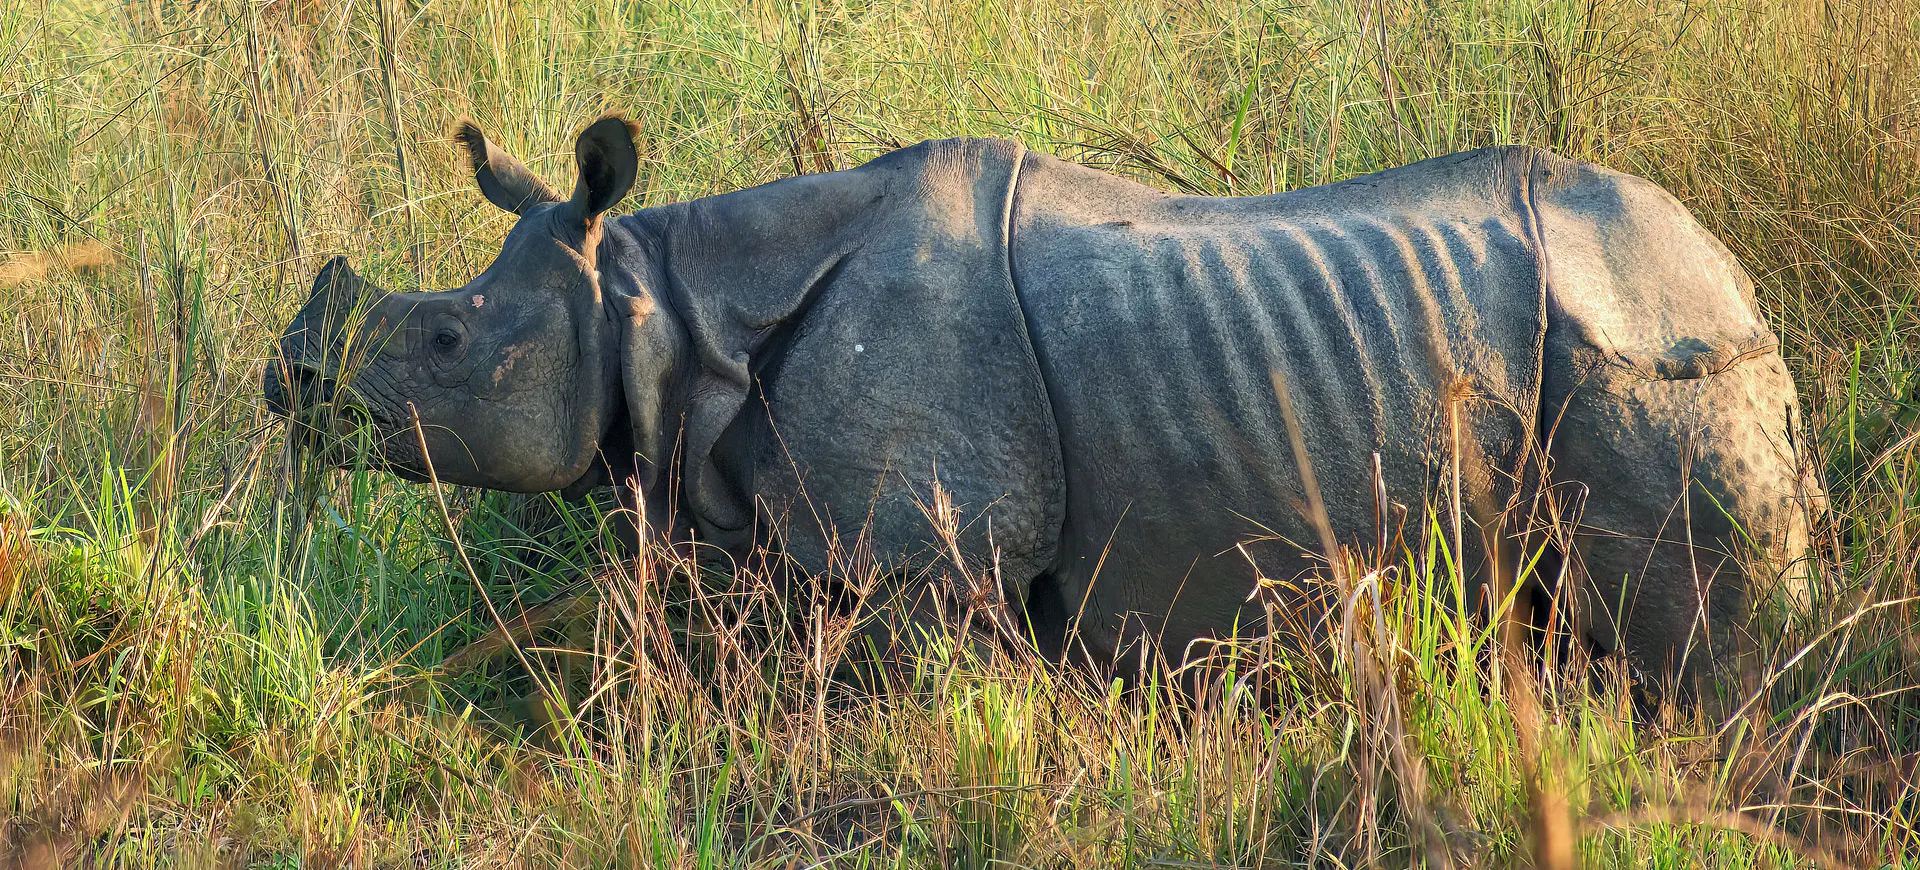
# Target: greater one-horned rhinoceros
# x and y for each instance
(1089, 368)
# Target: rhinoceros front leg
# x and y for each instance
(1695, 500)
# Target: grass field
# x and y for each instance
(211, 657)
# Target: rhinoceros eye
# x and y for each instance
(446, 340)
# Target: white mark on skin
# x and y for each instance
(859, 348)
(479, 300)
(513, 353)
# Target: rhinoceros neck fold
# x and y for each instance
(860, 330)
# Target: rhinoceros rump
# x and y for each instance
(1088, 367)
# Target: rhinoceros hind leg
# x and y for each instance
(1694, 498)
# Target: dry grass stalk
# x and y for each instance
(295, 655)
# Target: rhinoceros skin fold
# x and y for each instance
(1090, 369)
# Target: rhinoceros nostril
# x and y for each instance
(295, 388)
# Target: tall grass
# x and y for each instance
(211, 656)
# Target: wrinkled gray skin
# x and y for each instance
(1089, 366)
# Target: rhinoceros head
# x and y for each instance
(510, 381)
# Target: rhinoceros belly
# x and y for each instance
(1402, 311)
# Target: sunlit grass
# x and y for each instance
(209, 654)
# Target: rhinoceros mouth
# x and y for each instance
(352, 437)
(332, 421)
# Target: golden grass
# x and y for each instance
(81, 258)
(210, 655)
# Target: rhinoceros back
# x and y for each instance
(1403, 311)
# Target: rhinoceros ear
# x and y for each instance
(504, 181)
(608, 162)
